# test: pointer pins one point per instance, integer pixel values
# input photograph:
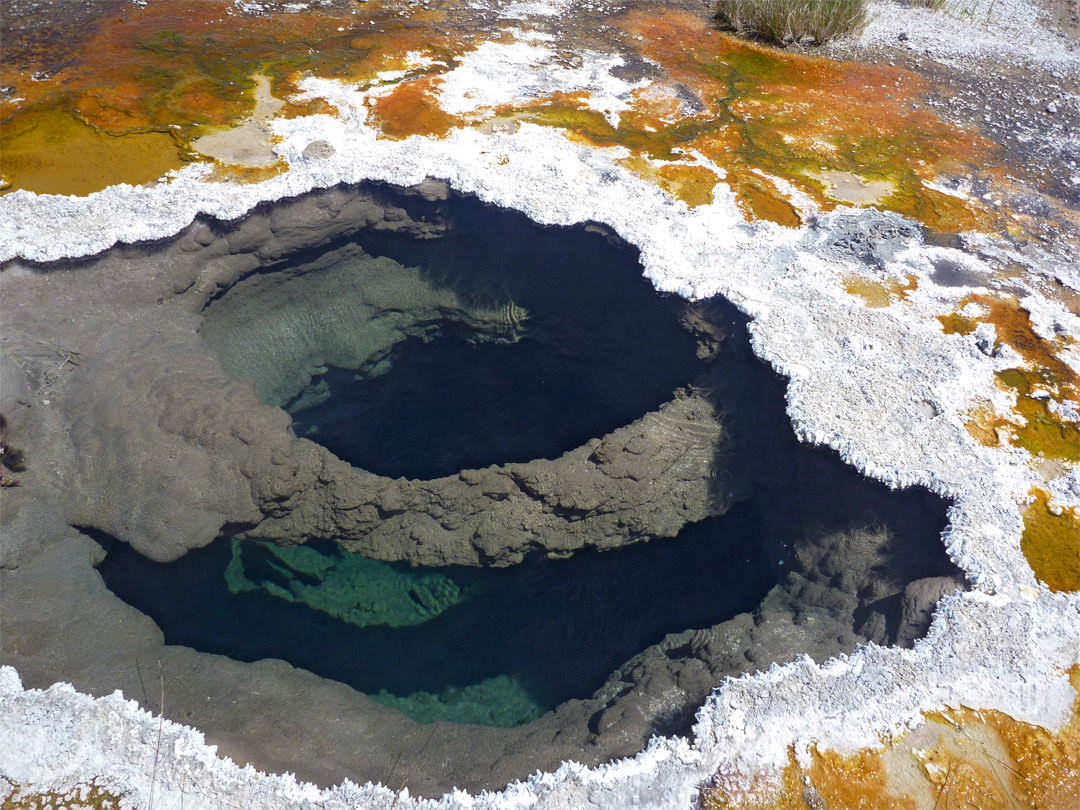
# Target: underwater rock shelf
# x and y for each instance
(490, 646)
(498, 341)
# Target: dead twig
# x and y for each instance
(944, 787)
(67, 357)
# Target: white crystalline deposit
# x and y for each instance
(966, 31)
(886, 387)
(524, 9)
(63, 737)
(497, 74)
(987, 652)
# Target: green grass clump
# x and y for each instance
(793, 21)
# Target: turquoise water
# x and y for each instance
(491, 646)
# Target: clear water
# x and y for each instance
(497, 342)
(491, 646)
(452, 405)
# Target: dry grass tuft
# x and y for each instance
(801, 22)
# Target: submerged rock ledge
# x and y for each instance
(849, 307)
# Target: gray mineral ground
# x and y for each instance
(687, 426)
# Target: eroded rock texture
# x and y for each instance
(168, 448)
(133, 427)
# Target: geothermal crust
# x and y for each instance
(136, 430)
(164, 451)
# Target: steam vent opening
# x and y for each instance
(643, 522)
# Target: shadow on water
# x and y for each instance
(557, 628)
(809, 494)
(451, 405)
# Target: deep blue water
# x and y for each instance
(557, 628)
(451, 405)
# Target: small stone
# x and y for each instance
(203, 234)
(903, 36)
(318, 150)
(1052, 107)
(986, 339)
(189, 245)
